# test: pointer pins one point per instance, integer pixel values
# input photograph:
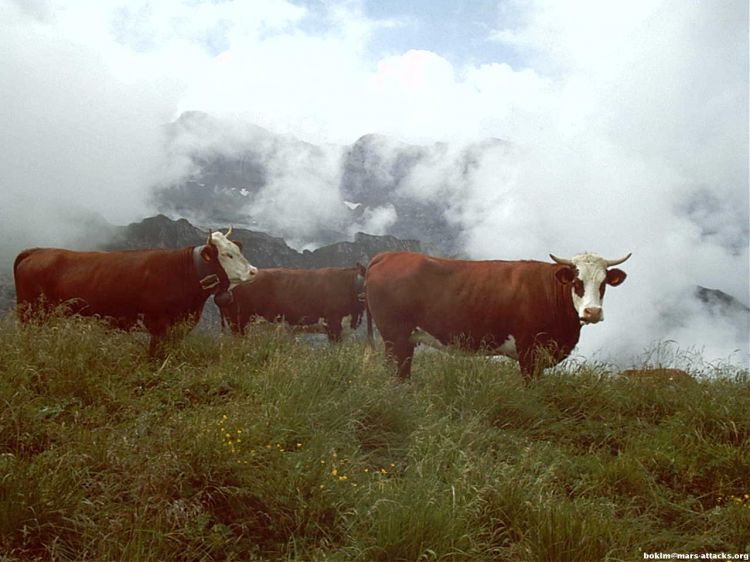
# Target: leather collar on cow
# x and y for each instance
(218, 284)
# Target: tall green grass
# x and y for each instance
(266, 447)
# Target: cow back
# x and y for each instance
(300, 296)
(122, 285)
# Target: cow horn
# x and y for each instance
(229, 231)
(610, 263)
(561, 261)
(209, 237)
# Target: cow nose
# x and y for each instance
(252, 272)
(592, 315)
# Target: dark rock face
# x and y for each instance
(260, 248)
(362, 250)
(153, 232)
(718, 302)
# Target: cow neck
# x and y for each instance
(209, 281)
(564, 303)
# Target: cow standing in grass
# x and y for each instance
(159, 288)
(299, 297)
(529, 310)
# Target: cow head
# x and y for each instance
(588, 275)
(230, 259)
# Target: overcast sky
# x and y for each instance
(629, 121)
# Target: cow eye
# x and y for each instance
(230, 256)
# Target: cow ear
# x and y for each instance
(206, 254)
(565, 275)
(615, 276)
(238, 244)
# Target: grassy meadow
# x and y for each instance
(268, 448)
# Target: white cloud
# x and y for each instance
(376, 221)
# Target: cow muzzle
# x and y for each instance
(592, 315)
(247, 276)
(251, 274)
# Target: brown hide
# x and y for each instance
(158, 287)
(299, 297)
(474, 304)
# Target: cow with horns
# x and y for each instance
(159, 288)
(529, 310)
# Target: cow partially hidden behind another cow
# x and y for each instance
(532, 311)
(160, 288)
(299, 297)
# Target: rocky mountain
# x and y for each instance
(261, 249)
(719, 302)
(244, 174)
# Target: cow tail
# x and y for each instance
(368, 318)
(223, 319)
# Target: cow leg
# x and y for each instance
(529, 360)
(368, 317)
(401, 350)
(159, 330)
(404, 354)
(156, 345)
(333, 328)
(355, 320)
(528, 366)
(536, 358)
(25, 312)
(33, 308)
(238, 322)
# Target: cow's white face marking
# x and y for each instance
(237, 268)
(588, 287)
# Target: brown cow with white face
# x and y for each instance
(300, 297)
(157, 287)
(514, 308)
